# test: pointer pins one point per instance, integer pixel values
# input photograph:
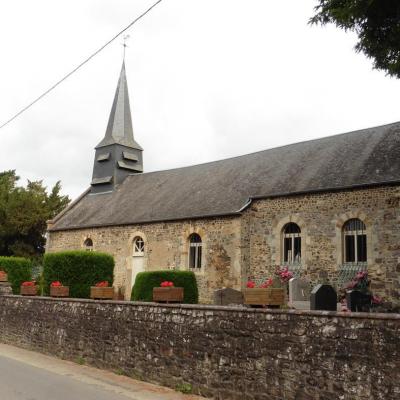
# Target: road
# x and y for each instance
(26, 375)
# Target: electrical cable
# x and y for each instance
(80, 65)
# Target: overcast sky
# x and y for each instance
(208, 79)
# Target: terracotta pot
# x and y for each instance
(3, 276)
(59, 291)
(264, 297)
(29, 290)
(102, 293)
(168, 294)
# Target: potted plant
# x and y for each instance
(58, 290)
(102, 291)
(3, 276)
(29, 288)
(357, 293)
(168, 293)
(270, 293)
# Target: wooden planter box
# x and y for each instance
(59, 291)
(168, 294)
(102, 293)
(3, 276)
(29, 290)
(264, 297)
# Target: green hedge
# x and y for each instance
(146, 281)
(18, 269)
(77, 269)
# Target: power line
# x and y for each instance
(80, 65)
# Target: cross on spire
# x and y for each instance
(124, 45)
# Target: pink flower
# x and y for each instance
(377, 300)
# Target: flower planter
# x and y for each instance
(29, 290)
(168, 294)
(3, 276)
(102, 293)
(264, 297)
(59, 291)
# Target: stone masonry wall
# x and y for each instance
(166, 247)
(250, 246)
(321, 218)
(224, 353)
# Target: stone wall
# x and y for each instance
(321, 218)
(250, 246)
(166, 247)
(224, 353)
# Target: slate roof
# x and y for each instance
(119, 127)
(367, 157)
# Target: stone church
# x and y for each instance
(326, 208)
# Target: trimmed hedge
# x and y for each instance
(18, 269)
(77, 269)
(146, 281)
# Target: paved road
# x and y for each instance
(26, 375)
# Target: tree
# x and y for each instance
(376, 22)
(23, 215)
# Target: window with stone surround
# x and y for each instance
(291, 244)
(195, 251)
(88, 244)
(354, 242)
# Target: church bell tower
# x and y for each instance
(118, 154)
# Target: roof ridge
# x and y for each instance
(265, 150)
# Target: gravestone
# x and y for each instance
(358, 301)
(226, 296)
(299, 290)
(323, 297)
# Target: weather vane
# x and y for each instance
(124, 45)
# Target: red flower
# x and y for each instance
(28, 283)
(250, 285)
(167, 284)
(102, 284)
(56, 284)
(267, 283)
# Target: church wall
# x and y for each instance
(321, 218)
(166, 247)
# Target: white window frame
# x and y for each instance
(197, 258)
(355, 233)
(87, 246)
(291, 257)
(138, 246)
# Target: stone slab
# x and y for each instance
(226, 296)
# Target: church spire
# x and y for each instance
(118, 154)
(119, 127)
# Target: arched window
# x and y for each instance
(195, 246)
(291, 238)
(88, 243)
(138, 246)
(354, 241)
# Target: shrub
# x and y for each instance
(77, 269)
(146, 281)
(18, 269)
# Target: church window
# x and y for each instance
(291, 244)
(138, 246)
(355, 242)
(195, 247)
(88, 243)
